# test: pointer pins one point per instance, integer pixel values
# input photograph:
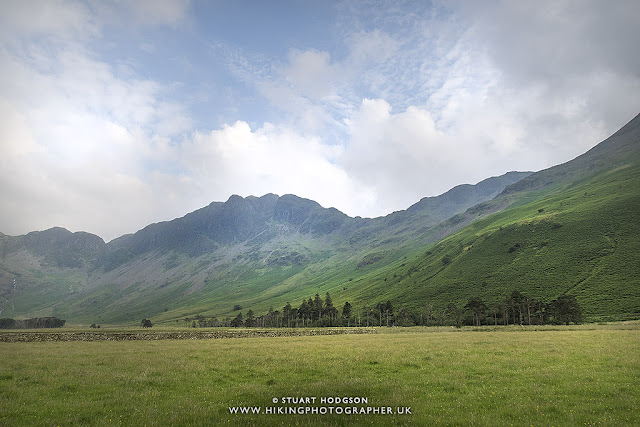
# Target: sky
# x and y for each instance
(117, 114)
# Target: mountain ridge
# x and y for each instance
(279, 232)
(287, 208)
(569, 228)
(616, 149)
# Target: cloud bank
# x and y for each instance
(399, 101)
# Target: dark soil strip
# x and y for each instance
(186, 335)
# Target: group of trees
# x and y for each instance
(516, 309)
(35, 323)
(315, 311)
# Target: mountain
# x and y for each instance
(245, 250)
(570, 229)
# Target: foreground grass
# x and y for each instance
(550, 377)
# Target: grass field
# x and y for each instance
(583, 375)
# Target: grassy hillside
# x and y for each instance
(254, 252)
(578, 234)
(583, 241)
(570, 229)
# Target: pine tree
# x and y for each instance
(478, 309)
(237, 321)
(287, 312)
(250, 320)
(346, 311)
(517, 306)
(328, 303)
(329, 310)
(304, 311)
(317, 307)
(566, 309)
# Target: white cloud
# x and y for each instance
(564, 68)
(270, 159)
(555, 41)
(372, 47)
(153, 12)
(59, 18)
(134, 15)
(412, 102)
(77, 142)
(311, 73)
(107, 155)
(405, 156)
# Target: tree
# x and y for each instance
(504, 308)
(146, 323)
(388, 310)
(311, 309)
(212, 322)
(293, 315)
(270, 318)
(7, 323)
(384, 310)
(40, 322)
(317, 306)
(250, 320)
(287, 312)
(237, 321)
(455, 315)
(566, 309)
(346, 312)
(304, 311)
(529, 303)
(478, 309)
(539, 310)
(429, 312)
(517, 305)
(493, 310)
(329, 310)
(277, 319)
(405, 317)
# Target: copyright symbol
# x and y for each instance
(274, 400)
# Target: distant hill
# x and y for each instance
(570, 229)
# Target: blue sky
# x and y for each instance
(116, 114)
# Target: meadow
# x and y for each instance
(487, 376)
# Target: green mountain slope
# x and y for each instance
(250, 251)
(571, 229)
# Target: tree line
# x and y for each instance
(516, 309)
(34, 323)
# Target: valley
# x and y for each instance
(573, 229)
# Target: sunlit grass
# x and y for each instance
(563, 377)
